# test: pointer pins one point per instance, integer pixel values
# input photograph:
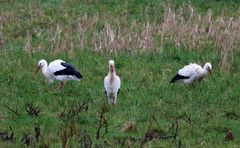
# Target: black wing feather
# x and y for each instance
(178, 77)
(118, 91)
(68, 70)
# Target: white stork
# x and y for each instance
(112, 84)
(192, 73)
(58, 70)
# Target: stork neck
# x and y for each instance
(112, 75)
(205, 71)
(44, 69)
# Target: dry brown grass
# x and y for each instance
(183, 28)
(196, 32)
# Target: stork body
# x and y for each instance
(58, 70)
(192, 73)
(112, 84)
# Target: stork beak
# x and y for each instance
(210, 72)
(37, 69)
(112, 68)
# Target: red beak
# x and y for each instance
(37, 69)
(112, 68)
(210, 72)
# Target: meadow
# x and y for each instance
(149, 41)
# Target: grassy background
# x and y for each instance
(28, 33)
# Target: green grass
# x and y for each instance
(145, 91)
(204, 113)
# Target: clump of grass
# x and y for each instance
(102, 122)
(85, 140)
(27, 139)
(32, 110)
(7, 135)
(129, 126)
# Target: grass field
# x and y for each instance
(150, 112)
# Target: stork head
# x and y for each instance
(111, 66)
(208, 67)
(41, 63)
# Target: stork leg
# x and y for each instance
(106, 96)
(61, 85)
(193, 85)
(113, 101)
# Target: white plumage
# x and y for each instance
(58, 70)
(192, 73)
(112, 84)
